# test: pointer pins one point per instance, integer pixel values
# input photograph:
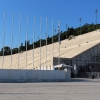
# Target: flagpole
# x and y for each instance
(66, 31)
(4, 38)
(59, 55)
(26, 38)
(12, 38)
(19, 40)
(59, 42)
(40, 39)
(52, 41)
(46, 39)
(38, 47)
(33, 42)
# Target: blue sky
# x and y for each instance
(68, 11)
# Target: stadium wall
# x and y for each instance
(88, 60)
(14, 75)
(85, 57)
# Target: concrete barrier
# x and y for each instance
(15, 75)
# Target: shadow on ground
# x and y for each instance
(84, 80)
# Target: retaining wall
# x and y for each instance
(14, 75)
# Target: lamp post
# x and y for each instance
(80, 24)
(96, 11)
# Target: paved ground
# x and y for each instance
(78, 89)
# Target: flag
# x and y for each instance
(59, 33)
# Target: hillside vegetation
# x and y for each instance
(70, 31)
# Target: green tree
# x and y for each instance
(6, 50)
